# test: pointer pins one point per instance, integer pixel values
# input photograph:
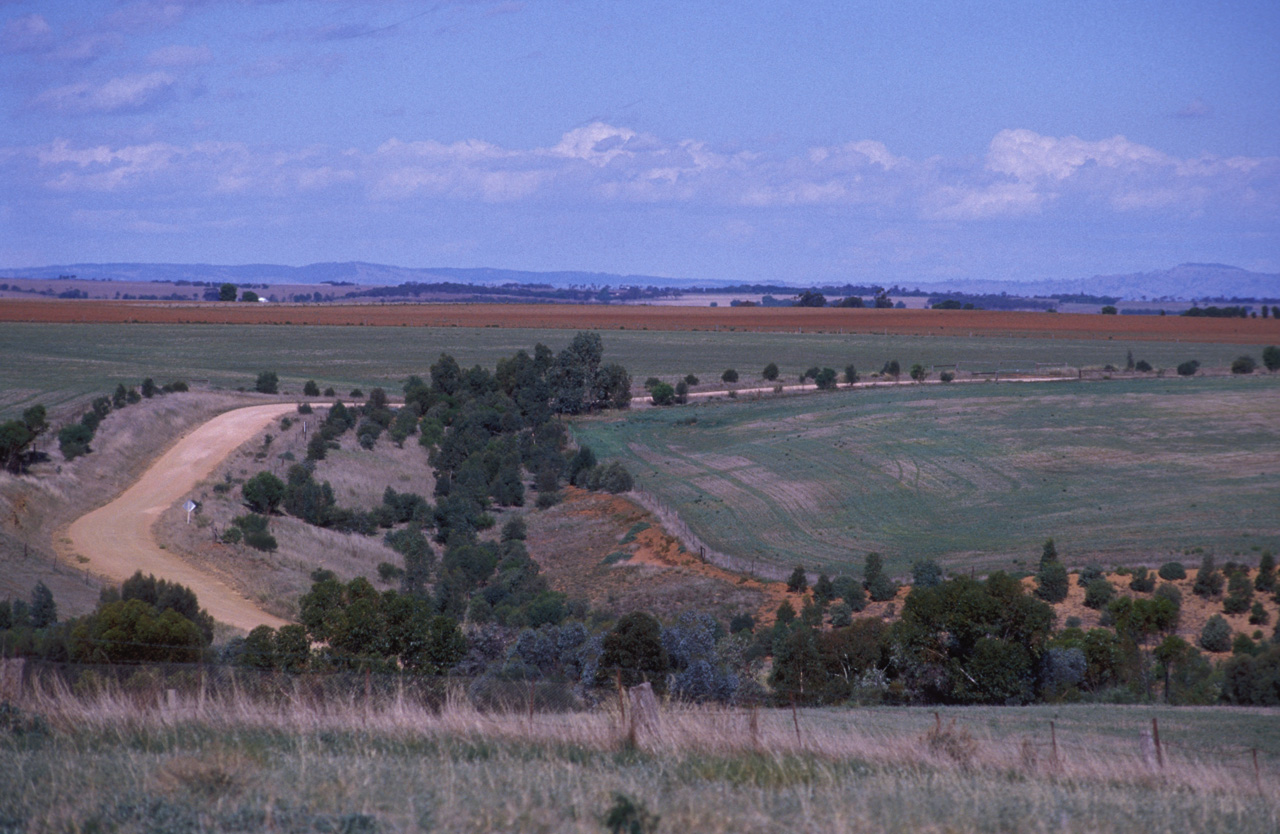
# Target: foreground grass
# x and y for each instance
(970, 475)
(58, 363)
(110, 764)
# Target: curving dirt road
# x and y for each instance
(117, 538)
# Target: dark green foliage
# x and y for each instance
(1052, 582)
(742, 621)
(1098, 594)
(729, 376)
(1173, 571)
(850, 374)
(514, 529)
(1216, 634)
(628, 816)
(798, 582)
(891, 368)
(825, 379)
(1258, 615)
(973, 642)
(1143, 581)
(263, 492)
(1239, 593)
(682, 392)
(786, 613)
(44, 611)
(770, 372)
(1143, 366)
(926, 574)
(1252, 679)
(823, 590)
(1208, 579)
(798, 675)
(1271, 358)
(690, 379)
(227, 292)
(268, 382)
(73, 440)
(633, 648)
(1265, 581)
(1188, 368)
(650, 382)
(1171, 593)
(149, 388)
(919, 372)
(879, 587)
(146, 620)
(1048, 553)
(1244, 365)
(1087, 574)
(310, 389)
(841, 615)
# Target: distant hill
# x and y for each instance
(1186, 281)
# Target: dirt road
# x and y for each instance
(117, 538)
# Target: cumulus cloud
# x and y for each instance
(121, 94)
(1023, 173)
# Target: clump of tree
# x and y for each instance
(878, 585)
(1188, 368)
(17, 437)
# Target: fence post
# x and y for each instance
(1257, 776)
(1053, 739)
(531, 686)
(1155, 737)
(753, 724)
(795, 719)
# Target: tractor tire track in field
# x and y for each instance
(117, 538)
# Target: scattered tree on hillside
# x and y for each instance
(267, 383)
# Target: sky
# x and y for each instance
(817, 142)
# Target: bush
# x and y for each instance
(1169, 592)
(267, 383)
(918, 372)
(946, 376)
(1143, 581)
(1098, 594)
(663, 394)
(729, 376)
(1208, 580)
(1143, 366)
(1216, 635)
(650, 382)
(1173, 571)
(850, 374)
(263, 492)
(926, 574)
(798, 582)
(1087, 574)
(891, 368)
(310, 389)
(690, 379)
(1188, 368)
(825, 379)
(770, 372)
(73, 440)
(261, 540)
(1239, 594)
(1266, 578)
(1244, 365)
(1271, 358)
(1052, 582)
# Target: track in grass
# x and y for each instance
(972, 476)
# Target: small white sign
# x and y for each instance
(190, 507)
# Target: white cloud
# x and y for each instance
(29, 33)
(178, 55)
(125, 93)
(1028, 156)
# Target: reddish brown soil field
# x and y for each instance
(570, 316)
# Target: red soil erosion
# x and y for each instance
(602, 317)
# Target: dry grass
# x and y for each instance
(399, 766)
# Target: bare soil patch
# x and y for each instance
(606, 317)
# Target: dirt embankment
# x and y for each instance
(117, 540)
(953, 323)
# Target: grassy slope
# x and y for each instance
(973, 476)
(57, 363)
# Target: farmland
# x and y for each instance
(973, 476)
(58, 363)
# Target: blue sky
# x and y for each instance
(803, 142)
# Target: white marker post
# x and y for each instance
(190, 507)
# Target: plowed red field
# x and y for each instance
(569, 316)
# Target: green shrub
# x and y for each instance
(946, 376)
(798, 582)
(1271, 358)
(1244, 365)
(770, 372)
(1239, 594)
(662, 394)
(1173, 571)
(1216, 635)
(1169, 592)
(1143, 581)
(1087, 574)
(690, 379)
(1188, 368)
(1098, 594)
(1258, 615)
(267, 383)
(1052, 582)
(1266, 578)
(1143, 366)
(1208, 580)
(729, 376)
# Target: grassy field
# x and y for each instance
(59, 363)
(127, 766)
(969, 475)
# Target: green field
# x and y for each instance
(973, 476)
(59, 363)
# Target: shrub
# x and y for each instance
(1143, 581)
(73, 440)
(662, 394)
(261, 540)
(1098, 594)
(879, 587)
(770, 372)
(1143, 366)
(1169, 592)
(1266, 578)
(1052, 582)
(729, 376)
(1258, 615)
(918, 372)
(1087, 574)
(1216, 635)
(841, 615)
(1239, 594)
(263, 492)
(650, 382)
(946, 376)
(798, 582)
(926, 574)
(690, 379)
(1244, 365)
(825, 379)
(267, 383)
(1173, 571)
(310, 389)
(1188, 368)
(850, 374)
(891, 368)
(1271, 358)
(742, 622)
(1208, 580)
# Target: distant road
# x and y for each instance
(117, 538)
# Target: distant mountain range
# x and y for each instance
(1186, 281)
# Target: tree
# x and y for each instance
(811, 298)
(798, 582)
(1052, 582)
(1098, 593)
(267, 383)
(1208, 579)
(798, 672)
(1188, 368)
(1108, 310)
(823, 590)
(770, 372)
(850, 374)
(44, 611)
(879, 587)
(148, 388)
(891, 368)
(1244, 365)
(310, 389)
(825, 379)
(263, 493)
(926, 574)
(729, 376)
(662, 394)
(918, 372)
(227, 292)
(15, 437)
(634, 650)
(1216, 634)
(250, 296)
(1271, 358)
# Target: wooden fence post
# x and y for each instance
(795, 719)
(1155, 738)
(1257, 775)
(1053, 739)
